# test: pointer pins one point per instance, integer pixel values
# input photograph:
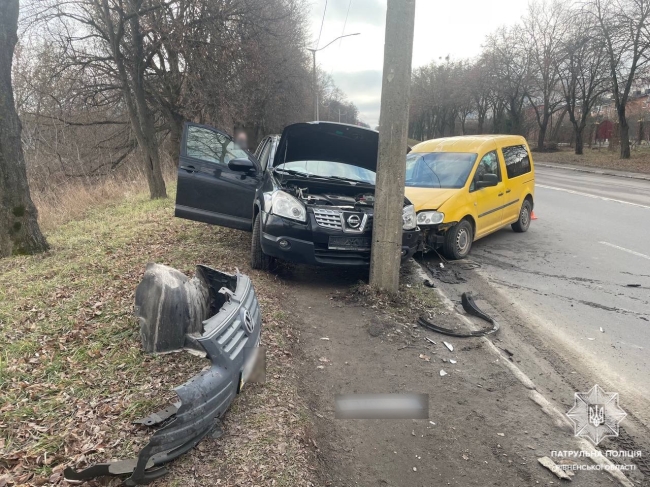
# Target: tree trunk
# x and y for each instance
(19, 230)
(175, 136)
(579, 142)
(624, 133)
(541, 135)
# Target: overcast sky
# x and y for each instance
(442, 27)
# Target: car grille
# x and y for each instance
(332, 218)
(328, 218)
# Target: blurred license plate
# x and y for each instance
(349, 243)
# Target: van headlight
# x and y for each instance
(286, 206)
(430, 217)
(408, 218)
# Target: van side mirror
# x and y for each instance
(486, 181)
(241, 165)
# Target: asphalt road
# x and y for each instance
(583, 268)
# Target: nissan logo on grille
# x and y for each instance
(354, 221)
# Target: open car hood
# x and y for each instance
(327, 141)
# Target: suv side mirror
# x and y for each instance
(486, 181)
(241, 165)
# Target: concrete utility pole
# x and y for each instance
(315, 77)
(393, 132)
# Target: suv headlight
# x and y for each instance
(408, 218)
(430, 217)
(285, 205)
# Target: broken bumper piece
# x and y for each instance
(229, 338)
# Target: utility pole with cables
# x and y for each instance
(393, 132)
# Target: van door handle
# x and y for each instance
(507, 191)
(189, 168)
(500, 194)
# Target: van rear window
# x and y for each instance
(517, 160)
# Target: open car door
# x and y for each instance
(208, 190)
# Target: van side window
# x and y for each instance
(517, 160)
(489, 164)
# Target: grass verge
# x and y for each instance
(73, 375)
(599, 158)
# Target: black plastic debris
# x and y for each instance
(471, 308)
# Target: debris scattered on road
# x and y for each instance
(442, 373)
(432, 423)
(324, 360)
(634, 285)
(470, 308)
(442, 266)
(550, 464)
(590, 338)
(449, 346)
(320, 367)
(325, 338)
(452, 361)
(601, 330)
(426, 358)
(429, 283)
(415, 469)
(430, 341)
(501, 434)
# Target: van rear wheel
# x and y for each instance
(521, 225)
(458, 241)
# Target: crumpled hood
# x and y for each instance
(429, 198)
(327, 141)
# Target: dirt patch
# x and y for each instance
(483, 428)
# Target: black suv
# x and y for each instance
(307, 196)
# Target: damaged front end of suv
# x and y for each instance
(316, 203)
(215, 313)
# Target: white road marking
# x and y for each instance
(591, 195)
(638, 254)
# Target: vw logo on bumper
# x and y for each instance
(249, 326)
(354, 221)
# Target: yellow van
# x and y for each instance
(464, 188)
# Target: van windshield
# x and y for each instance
(438, 169)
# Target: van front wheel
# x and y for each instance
(458, 240)
(521, 225)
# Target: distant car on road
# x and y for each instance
(307, 195)
(464, 188)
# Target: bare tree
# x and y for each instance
(582, 72)
(544, 26)
(625, 29)
(19, 230)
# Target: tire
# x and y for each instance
(259, 260)
(458, 240)
(521, 225)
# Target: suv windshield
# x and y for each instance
(329, 169)
(438, 169)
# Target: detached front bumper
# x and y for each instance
(308, 243)
(229, 338)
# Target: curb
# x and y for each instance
(602, 172)
(561, 421)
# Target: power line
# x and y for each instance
(321, 25)
(345, 22)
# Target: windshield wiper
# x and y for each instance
(348, 180)
(292, 172)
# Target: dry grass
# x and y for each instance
(73, 374)
(599, 158)
(71, 199)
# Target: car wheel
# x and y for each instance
(458, 240)
(523, 223)
(259, 260)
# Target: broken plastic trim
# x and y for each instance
(470, 308)
(229, 338)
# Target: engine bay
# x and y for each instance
(323, 194)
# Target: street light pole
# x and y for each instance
(314, 77)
